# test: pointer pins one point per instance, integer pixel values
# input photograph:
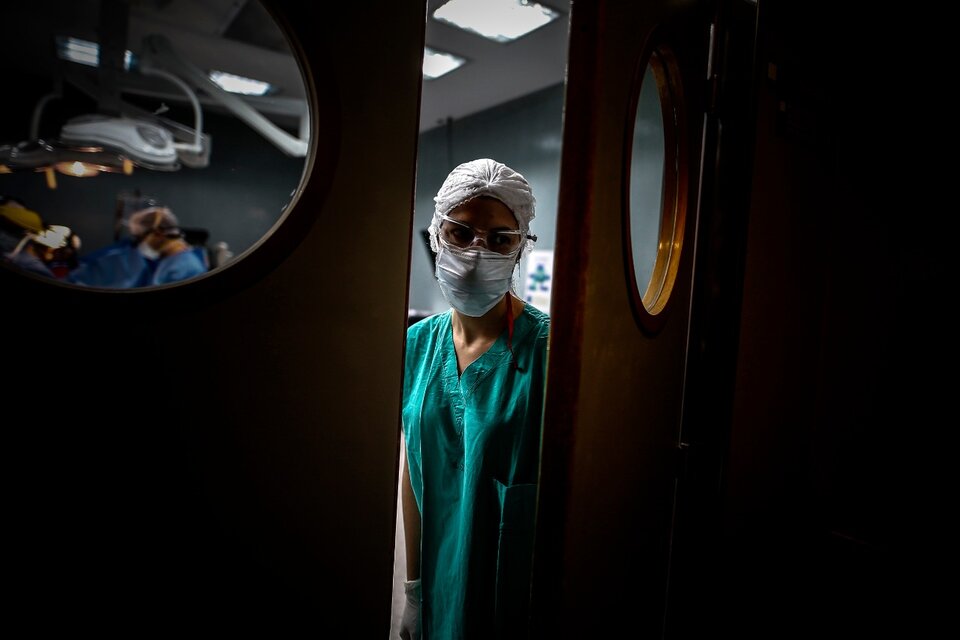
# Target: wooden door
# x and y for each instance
(618, 351)
(222, 455)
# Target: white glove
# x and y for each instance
(410, 622)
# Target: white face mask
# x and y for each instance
(473, 280)
(148, 251)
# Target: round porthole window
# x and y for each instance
(146, 144)
(654, 212)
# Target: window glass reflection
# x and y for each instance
(132, 167)
(646, 180)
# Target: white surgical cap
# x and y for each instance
(160, 218)
(484, 177)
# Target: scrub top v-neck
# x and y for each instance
(473, 450)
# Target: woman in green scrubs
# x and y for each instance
(472, 408)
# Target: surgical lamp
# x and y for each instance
(98, 143)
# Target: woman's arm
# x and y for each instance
(411, 523)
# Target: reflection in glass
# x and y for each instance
(646, 180)
(109, 175)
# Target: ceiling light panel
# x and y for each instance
(498, 20)
(239, 84)
(437, 63)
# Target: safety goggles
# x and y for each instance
(461, 235)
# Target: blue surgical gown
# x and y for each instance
(180, 266)
(473, 443)
(31, 263)
(122, 266)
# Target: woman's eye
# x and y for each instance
(464, 235)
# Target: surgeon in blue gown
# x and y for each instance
(154, 254)
(473, 394)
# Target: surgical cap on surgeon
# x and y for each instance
(484, 177)
(146, 220)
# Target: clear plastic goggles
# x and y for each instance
(461, 235)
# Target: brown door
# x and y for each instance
(223, 453)
(621, 317)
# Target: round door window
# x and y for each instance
(145, 144)
(654, 215)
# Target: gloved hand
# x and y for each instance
(410, 622)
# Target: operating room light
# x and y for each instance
(498, 20)
(77, 169)
(92, 143)
(438, 63)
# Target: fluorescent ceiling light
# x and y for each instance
(239, 84)
(499, 20)
(437, 63)
(85, 52)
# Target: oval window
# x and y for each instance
(653, 215)
(145, 144)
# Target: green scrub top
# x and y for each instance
(473, 448)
